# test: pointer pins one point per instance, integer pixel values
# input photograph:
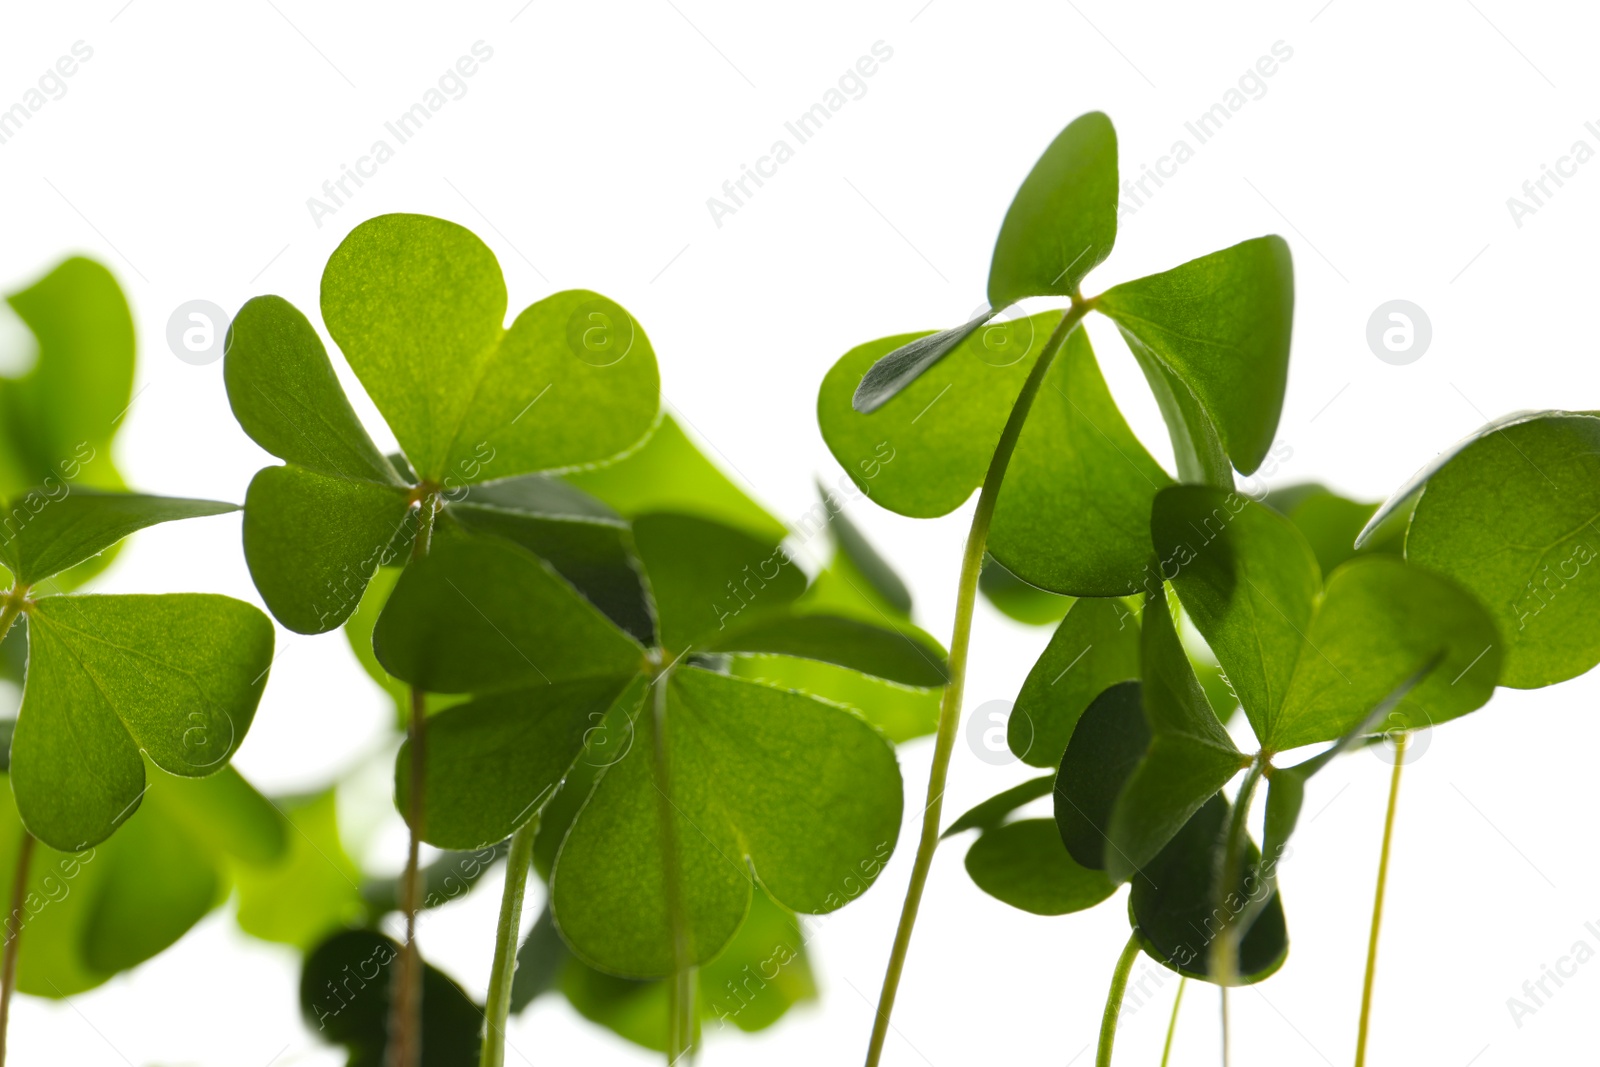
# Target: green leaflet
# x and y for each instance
(1220, 326)
(88, 915)
(1330, 523)
(1189, 758)
(1175, 908)
(1107, 744)
(344, 998)
(417, 305)
(741, 794)
(709, 581)
(900, 712)
(1096, 646)
(1308, 664)
(988, 814)
(668, 473)
(57, 419)
(1073, 515)
(313, 541)
(923, 453)
(177, 676)
(494, 762)
(286, 396)
(852, 549)
(481, 614)
(1509, 516)
(1023, 864)
(1063, 220)
(846, 642)
(82, 524)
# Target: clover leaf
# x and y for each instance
(1095, 646)
(417, 305)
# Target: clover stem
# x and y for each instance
(498, 1004)
(1119, 986)
(1377, 900)
(8, 976)
(950, 704)
(1172, 1027)
(405, 1010)
(1225, 957)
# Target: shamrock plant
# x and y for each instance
(1021, 412)
(131, 705)
(417, 305)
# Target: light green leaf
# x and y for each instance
(1220, 325)
(418, 304)
(803, 796)
(1073, 515)
(1063, 221)
(1329, 522)
(494, 762)
(668, 473)
(1510, 517)
(480, 614)
(81, 525)
(873, 650)
(899, 712)
(313, 890)
(852, 545)
(1096, 646)
(924, 452)
(285, 394)
(313, 541)
(1024, 864)
(177, 676)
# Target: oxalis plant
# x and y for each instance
(558, 631)
(131, 705)
(1071, 504)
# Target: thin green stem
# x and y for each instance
(1172, 1027)
(1227, 1046)
(950, 704)
(1225, 956)
(13, 930)
(498, 1006)
(1119, 986)
(1377, 900)
(405, 1008)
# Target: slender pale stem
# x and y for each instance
(950, 704)
(13, 929)
(1119, 986)
(14, 601)
(1227, 1046)
(405, 1009)
(1225, 956)
(498, 1006)
(1172, 1027)
(1377, 899)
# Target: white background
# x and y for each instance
(1384, 150)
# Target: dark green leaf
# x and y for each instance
(494, 762)
(1063, 221)
(285, 394)
(849, 643)
(418, 305)
(802, 794)
(988, 814)
(892, 373)
(1175, 908)
(177, 676)
(1073, 515)
(1107, 745)
(1096, 646)
(480, 614)
(1220, 326)
(1023, 864)
(81, 525)
(313, 541)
